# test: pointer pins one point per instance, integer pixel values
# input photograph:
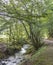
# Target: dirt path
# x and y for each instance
(49, 42)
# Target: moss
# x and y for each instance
(2, 55)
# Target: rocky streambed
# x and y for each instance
(17, 58)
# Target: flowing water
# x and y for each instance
(17, 58)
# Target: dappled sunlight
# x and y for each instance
(3, 36)
(45, 35)
(25, 27)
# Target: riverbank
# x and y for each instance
(44, 56)
(17, 58)
(8, 52)
(31, 59)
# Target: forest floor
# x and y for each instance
(44, 55)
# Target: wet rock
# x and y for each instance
(9, 60)
(14, 62)
(5, 60)
(19, 58)
(3, 64)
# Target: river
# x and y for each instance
(17, 58)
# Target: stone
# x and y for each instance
(3, 64)
(3, 47)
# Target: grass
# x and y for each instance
(37, 58)
(37, 53)
(44, 56)
(32, 60)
